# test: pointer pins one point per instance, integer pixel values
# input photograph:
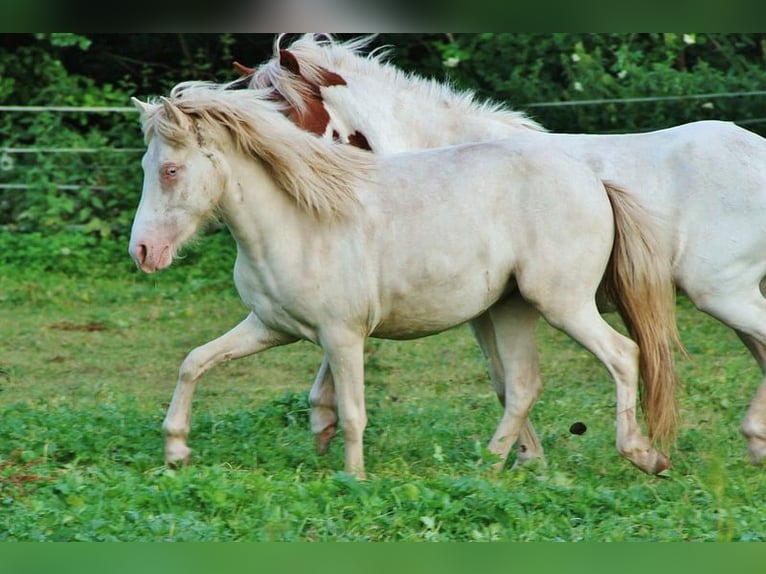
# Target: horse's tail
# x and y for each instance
(639, 282)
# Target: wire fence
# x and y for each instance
(7, 153)
(657, 99)
(647, 99)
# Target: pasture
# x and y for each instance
(88, 364)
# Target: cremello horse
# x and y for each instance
(706, 181)
(336, 244)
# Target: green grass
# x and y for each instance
(87, 367)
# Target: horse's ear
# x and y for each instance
(289, 62)
(141, 106)
(330, 78)
(171, 111)
(242, 69)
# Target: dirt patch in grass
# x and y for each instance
(70, 326)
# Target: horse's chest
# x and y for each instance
(274, 303)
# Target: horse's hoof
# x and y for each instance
(357, 473)
(178, 456)
(655, 464)
(323, 439)
(650, 461)
(529, 462)
(661, 464)
(756, 447)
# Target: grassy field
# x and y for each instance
(87, 367)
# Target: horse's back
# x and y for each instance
(685, 174)
(519, 178)
(706, 183)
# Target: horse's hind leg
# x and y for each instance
(620, 356)
(756, 349)
(520, 363)
(754, 425)
(324, 414)
(514, 323)
(745, 311)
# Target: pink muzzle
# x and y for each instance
(151, 257)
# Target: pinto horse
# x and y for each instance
(335, 244)
(705, 181)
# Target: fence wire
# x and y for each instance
(7, 152)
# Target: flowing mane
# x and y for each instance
(319, 53)
(321, 176)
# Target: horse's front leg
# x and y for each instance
(250, 336)
(324, 414)
(522, 362)
(514, 322)
(344, 351)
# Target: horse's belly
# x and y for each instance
(419, 312)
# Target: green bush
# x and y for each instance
(524, 69)
(69, 253)
(84, 202)
(206, 262)
(94, 191)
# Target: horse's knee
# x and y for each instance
(191, 367)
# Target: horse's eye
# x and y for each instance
(171, 171)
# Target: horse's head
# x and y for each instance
(360, 99)
(306, 107)
(208, 147)
(301, 87)
(183, 181)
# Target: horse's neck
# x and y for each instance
(401, 120)
(254, 208)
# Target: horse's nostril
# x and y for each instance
(141, 251)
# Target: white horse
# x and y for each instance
(706, 182)
(335, 244)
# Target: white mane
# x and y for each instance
(320, 175)
(319, 53)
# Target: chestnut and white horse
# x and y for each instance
(335, 244)
(706, 182)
